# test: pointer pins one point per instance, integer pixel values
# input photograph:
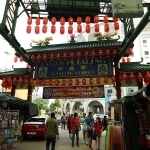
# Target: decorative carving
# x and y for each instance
(44, 42)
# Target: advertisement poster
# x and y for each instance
(73, 92)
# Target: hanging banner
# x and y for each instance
(74, 68)
(73, 92)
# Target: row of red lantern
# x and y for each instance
(72, 55)
(125, 60)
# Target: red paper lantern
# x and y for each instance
(51, 56)
(45, 20)
(44, 29)
(105, 79)
(91, 81)
(147, 75)
(31, 81)
(45, 57)
(100, 53)
(32, 58)
(43, 82)
(87, 19)
(58, 56)
(39, 57)
(146, 81)
(37, 21)
(98, 80)
(37, 81)
(71, 55)
(53, 29)
(63, 82)
(20, 80)
(79, 28)
(37, 29)
(62, 21)
(116, 26)
(29, 21)
(114, 52)
(4, 80)
(53, 21)
(25, 80)
(105, 19)
(123, 60)
(115, 19)
(50, 82)
(130, 51)
(113, 78)
(107, 52)
(70, 29)
(120, 77)
(106, 27)
(128, 59)
(21, 59)
(15, 59)
(65, 55)
(9, 80)
(14, 80)
(88, 29)
(77, 82)
(86, 54)
(96, 27)
(93, 53)
(70, 21)
(79, 20)
(79, 54)
(96, 19)
(131, 76)
(124, 76)
(70, 82)
(56, 82)
(139, 76)
(83, 81)
(62, 29)
(28, 29)
(27, 66)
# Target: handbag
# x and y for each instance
(94, 136)
(78, 128)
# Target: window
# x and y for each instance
(146, 52)
(144, 41)
(109, 91)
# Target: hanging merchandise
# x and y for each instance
(79, 20)
(37, 29)
(96, 19)
(44, 29)
(39, 57)
(51, 56)
(79, 28)
(79, 54)
(93, 53)
(70, 29)
(45, 20)
(53, 29)
(100, 53)
(88, 29)
(29, 21)
(28, 29)
(25, 80)
(116, 26)
(21, 59)
(96, 27)
(87, 20)
(37, 81)
(62, 29)
(37, 21)
(105, 19)
(62, 21)
(32, 58)
(53, 21)
(107, 52)
(106, 27)
(70, 21)
(15, 59)
(114, 52)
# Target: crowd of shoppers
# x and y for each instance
(91, 129)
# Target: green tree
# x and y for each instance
(52, 107)
(55, 105)
(41, 105)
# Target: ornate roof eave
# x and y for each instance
(17, 72)
(75, 46)
(134, 67)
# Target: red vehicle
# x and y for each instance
(34, 127)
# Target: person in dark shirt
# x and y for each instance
(105, 123)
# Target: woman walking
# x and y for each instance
(97, 127)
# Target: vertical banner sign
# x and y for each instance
(106, 105)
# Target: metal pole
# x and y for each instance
(136, 32)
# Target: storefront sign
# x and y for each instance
(73, 92)
(74, 68)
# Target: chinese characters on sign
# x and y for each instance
(74, 68)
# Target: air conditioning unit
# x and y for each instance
(127, 8)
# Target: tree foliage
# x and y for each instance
(54, 105)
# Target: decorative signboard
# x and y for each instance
(74, 68)
(73, 92)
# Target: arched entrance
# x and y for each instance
(67, 109)
(78, 107)
(96, 107)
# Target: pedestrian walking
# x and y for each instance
(63, 121)
(97, 128)
(85, 136)
(105, 123)
(75, 129)
(89, 122)
(51, 132)
(69, 124)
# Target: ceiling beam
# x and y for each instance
(134, 35)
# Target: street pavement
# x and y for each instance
(64, 143)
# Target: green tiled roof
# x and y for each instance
(134, 66)
(14, 73)
(75, 46)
